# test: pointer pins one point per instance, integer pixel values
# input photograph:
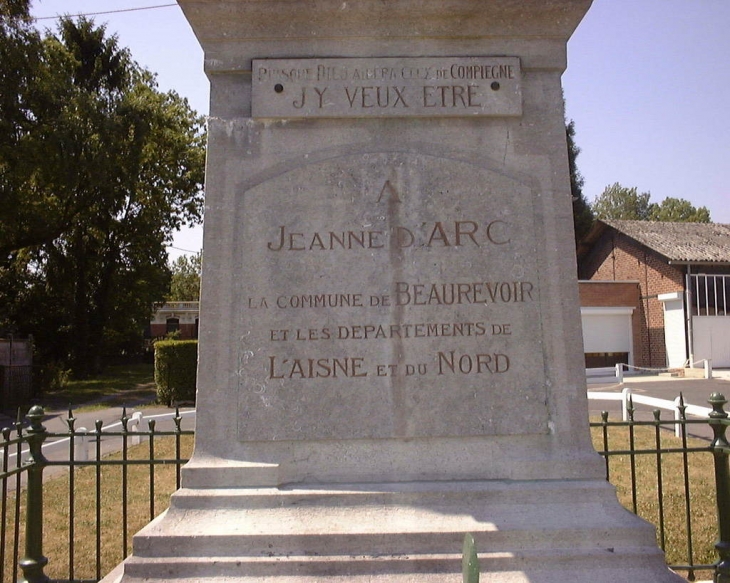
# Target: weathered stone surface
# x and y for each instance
(386, 87)
(396, 295)
(390, 351)
(371, 533)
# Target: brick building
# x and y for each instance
(175, 316)
(611, 322)
(676, 290)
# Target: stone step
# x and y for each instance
(379, 519)
(402, 532)
(193, 543)
(596, 566)
(493, 491)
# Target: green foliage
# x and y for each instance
(679, 210)
(173, 335)
(582, 214)
(176, 364)
(15, 9)
(97, 170)
(51, 377)
(619, 202)
(469, 561)
(185, 282)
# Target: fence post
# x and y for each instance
(620, 372)
(720, 450)
(625, 397)
(81, 444)
(134, 423)
(678, 404)
(34, 562)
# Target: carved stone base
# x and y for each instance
(536, 532)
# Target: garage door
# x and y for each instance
(607, 331)
(712, 339)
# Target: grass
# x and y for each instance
(117, 386)
(111, 523)
(670, 475)
(56, 547)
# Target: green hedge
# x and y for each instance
(176, 363)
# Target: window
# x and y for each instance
(710, 294)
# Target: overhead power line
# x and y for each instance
(107, 12)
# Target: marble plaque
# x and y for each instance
(387, 87)
(388, 295)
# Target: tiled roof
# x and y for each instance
(684, 242)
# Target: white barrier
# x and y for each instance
(637, 399)
(83, 438)
(603, 375)
(706, 364)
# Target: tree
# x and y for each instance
(185, 282)
(582, 214)
(15, 9)
(619, 202)
(679, 210)
(97, 170)
(21, 48)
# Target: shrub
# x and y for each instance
(51, 376)
(176, 363)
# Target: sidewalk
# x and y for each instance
(695, 390)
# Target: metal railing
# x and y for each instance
(646, 492)
(143, 455)
(110, 482)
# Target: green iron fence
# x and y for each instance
(678, 482)
(83, 494)
(85, 525)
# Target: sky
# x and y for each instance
(647, 85)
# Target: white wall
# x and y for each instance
(711, 336)
(675, 340)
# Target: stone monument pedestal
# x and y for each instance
(412, 532)
(390, 349)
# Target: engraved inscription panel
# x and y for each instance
(387, 87)
(388, 295)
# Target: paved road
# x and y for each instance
(55, 422)
(694, 391)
